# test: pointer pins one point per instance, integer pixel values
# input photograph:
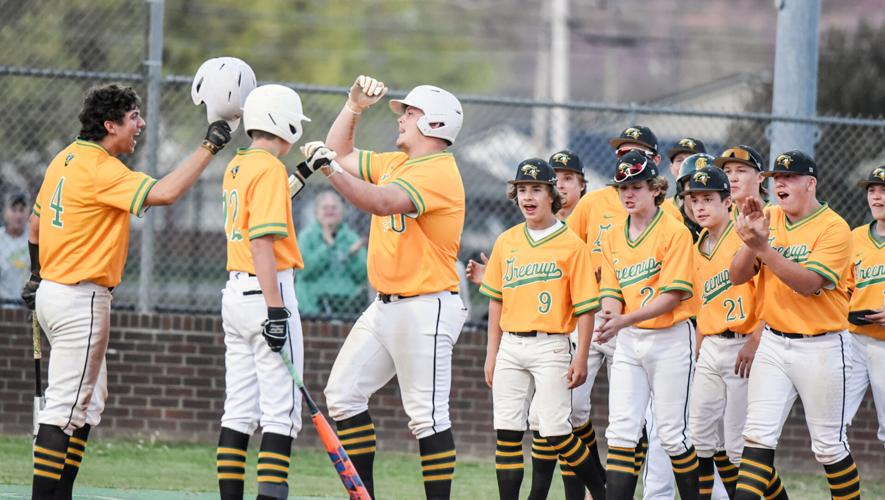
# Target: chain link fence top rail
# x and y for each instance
(41, 94)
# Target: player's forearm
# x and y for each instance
(34, 229)
(494, 327)
(174, 184)
(341, 135)
(612, 305)
(266, 270)
(743, 266)
(663, 304)
(795, 276)
(585, 334)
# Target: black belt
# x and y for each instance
(387, 298)
(790, 335)
(533, 333)
(728, 334)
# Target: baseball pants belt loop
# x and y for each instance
(387, 298)
(790, 335)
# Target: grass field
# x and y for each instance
(181, 470)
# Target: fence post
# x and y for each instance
(795, 75)
(154, 65)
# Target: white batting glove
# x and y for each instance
(365, 92)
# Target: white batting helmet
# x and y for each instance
(223, 84)
(275, 109)
(439, 106)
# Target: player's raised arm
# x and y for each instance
(365, 92)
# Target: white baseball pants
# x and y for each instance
(258, 387)
(652, 365)
(816, 369)
(411, 338)
(76, 319)
(868, 370)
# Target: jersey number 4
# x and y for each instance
(56, 204)
(231, 205)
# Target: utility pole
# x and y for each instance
(559, 74)
(795, 75)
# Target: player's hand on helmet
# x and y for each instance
(475, 271)
(577, 372)
(29, 291)
(745, 357)
(217, 136)
(276, 328)
(365, 92)
(489, 368)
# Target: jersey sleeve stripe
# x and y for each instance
(679, 288)
(822, 270)
(259, 234)
(268, 225)
(612, 294)
(141, 193)
(587, 308)
(585, 302)
(413, 194)
(364, 159)
(490, 294)
(490, 289)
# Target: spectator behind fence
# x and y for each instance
(14, 262)
(334, 276)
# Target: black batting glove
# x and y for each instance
(29, 292)
(217, 136)
(276, 328)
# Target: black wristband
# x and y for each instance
(274, 313)
(34, 252)
(303, 170)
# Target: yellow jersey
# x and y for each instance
(542, 284)
(84, 205)
(670, 207)
(723, 305)
(659, 260)
(596, 213)
(256, 203)
(821, 242)
(414, 254)
(868, 278)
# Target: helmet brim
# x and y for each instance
(620, 141)
(398, 106)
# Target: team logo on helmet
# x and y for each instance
(701, 177)
(531, 171)
(234, 171)
(879, 173)
(561, 158)
(688, 143)
(69, 158)
(784, 161)
(700, 163)
(633, 132)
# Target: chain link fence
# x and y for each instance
(46, 66)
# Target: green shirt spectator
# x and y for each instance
(333, 280)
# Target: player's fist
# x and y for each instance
(217, 136)
(489, 368)
(365, 92)
(29, 292)
(319, 156)
(276, 328)
(577, 372)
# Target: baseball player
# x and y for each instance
(686, 168)
(867, 317)
(537, 296)
(571, 185)
(729, 333)
(743, 165)
(674, 207)
(259, 310)
(802, 252)
(647, 296)
(79, 236)
(417, 203)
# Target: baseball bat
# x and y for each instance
(39, 400)
(343, 466)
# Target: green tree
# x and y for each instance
(851, 70)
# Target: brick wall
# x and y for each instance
(166, 380)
